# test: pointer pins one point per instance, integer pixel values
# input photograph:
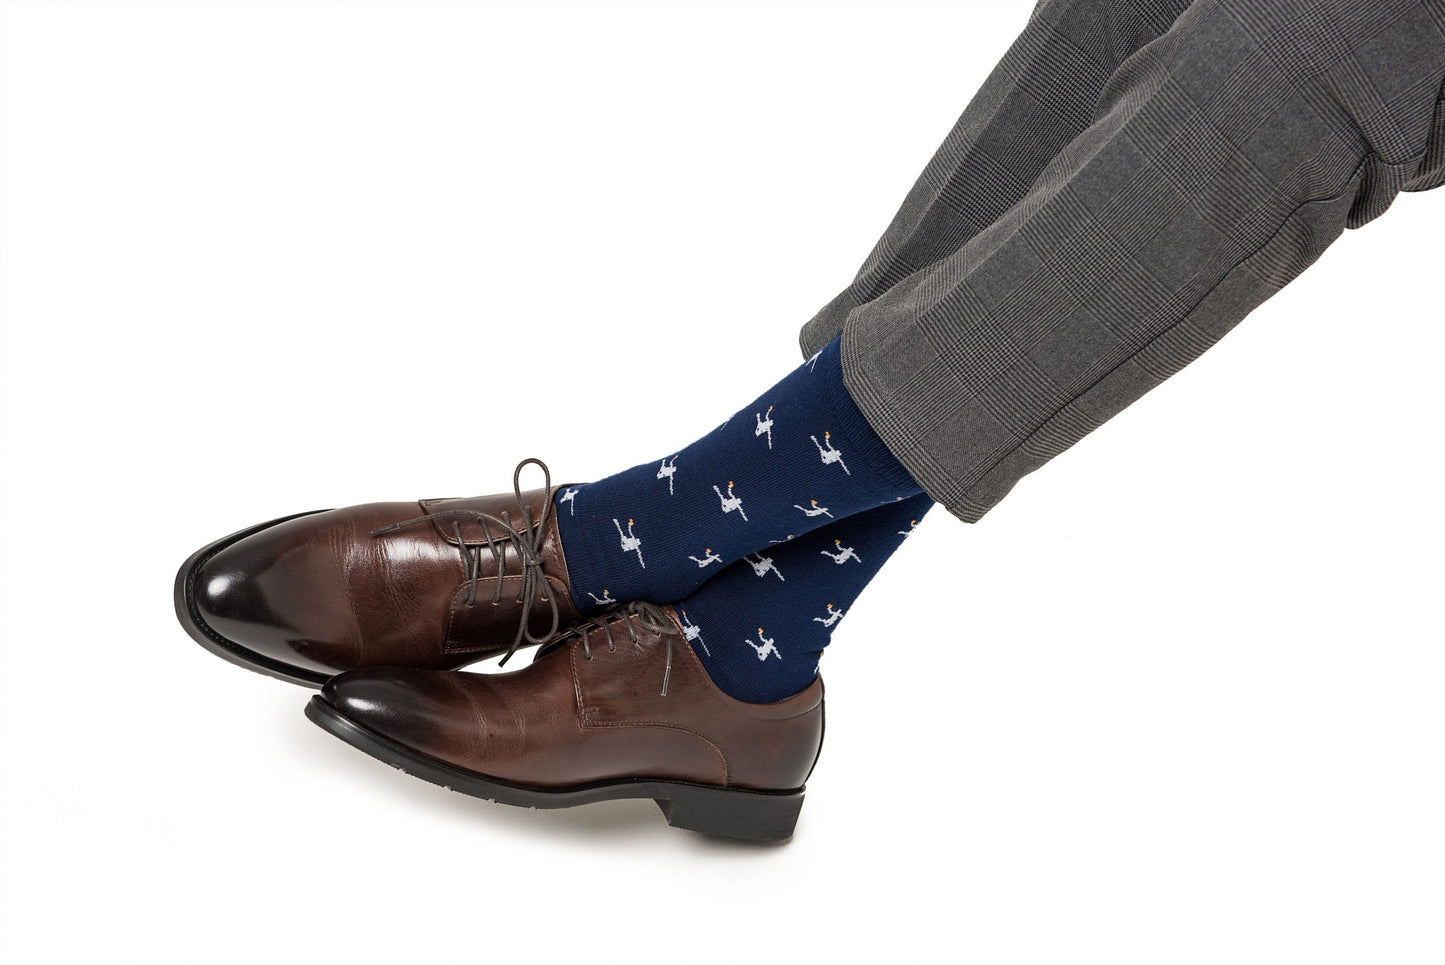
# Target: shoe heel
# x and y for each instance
(724, 813)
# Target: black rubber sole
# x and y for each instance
(206, 636)
(741, 815)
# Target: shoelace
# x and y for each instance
(527, 540)
(648, 616)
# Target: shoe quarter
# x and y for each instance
(619, 701)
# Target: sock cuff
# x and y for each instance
(887, 474)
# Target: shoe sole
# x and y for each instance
(227, 649)
(742, 815)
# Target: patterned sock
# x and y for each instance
(799, 457)
(760, 625)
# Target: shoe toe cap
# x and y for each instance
(424, 710)
(279, 594)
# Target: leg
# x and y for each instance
(1038, 99)
(798, 457)
(759, 627)
(1224, 158)
(281, 597)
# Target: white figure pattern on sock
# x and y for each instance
(731, 502)
(784, 540)
(762, 565)
(765, 647)
(909, 531)
(844, 554)
(708, 558)
(813, 359)
(765, 425)
(833, 617)
(568, 497)
(815, 511)
(630, 543)
(666, 471)
(692, 631)
(830, 455)
(604, 600)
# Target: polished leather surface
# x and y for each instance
(321, 593)
(567, 719)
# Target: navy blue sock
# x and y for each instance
(760, 625)
(799, 457)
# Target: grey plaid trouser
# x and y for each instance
(1133, 178)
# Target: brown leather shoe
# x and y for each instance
(308, 596)
(620, 707)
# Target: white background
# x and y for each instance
(1177, 700)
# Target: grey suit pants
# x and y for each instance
(1132, 179)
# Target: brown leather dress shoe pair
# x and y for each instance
(378, 605)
